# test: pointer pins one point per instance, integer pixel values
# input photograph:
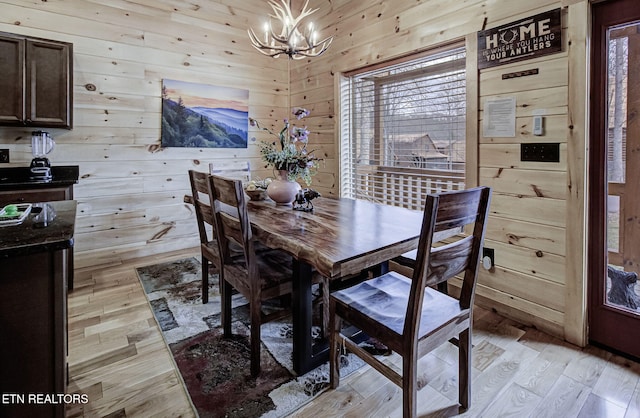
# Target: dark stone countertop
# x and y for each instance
(32, 236)
(16, 178)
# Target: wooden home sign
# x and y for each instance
(528, 38)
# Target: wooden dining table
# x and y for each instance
(339, 238)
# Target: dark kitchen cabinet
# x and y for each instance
(36, 83)
(33, 312)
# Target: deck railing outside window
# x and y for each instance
(406, 187)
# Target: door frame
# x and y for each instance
(604, 15)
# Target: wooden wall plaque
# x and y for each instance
(527, 38)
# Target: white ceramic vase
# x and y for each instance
(282, 190)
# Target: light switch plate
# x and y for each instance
(541, 152)
(538, 125)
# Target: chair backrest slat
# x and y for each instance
(456, 210)
(231, 227)
(449, 260)
(206, 211)
(444, 211)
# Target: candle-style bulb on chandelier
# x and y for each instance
(294, 41)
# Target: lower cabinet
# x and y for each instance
(33, 334)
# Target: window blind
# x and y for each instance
(402, 129)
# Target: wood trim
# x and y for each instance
(432, 50)
(337, 127)
(608, 325)
(575, 318)
(473, 114)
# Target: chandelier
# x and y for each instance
(292, 40)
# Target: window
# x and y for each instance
(402, 129)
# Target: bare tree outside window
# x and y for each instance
(618, 71)
(618, 68)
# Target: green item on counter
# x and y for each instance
(11, 210)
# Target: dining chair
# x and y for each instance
(407, 314)
(258, 276)
(204, 212)
(209, 252)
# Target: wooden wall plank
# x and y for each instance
(520, 309)
(508, 155)
(549, 184)
(142, 234)
(552, 100)
(534, 209)
(553, 73)
(555, 127)
(546, 293)
(545, 238)
(533, 262)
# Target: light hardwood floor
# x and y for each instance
(118, 358)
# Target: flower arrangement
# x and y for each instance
(290, 152)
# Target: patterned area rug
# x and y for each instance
(215, 370)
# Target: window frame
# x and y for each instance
(347, 188)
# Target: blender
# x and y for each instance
(41, 145)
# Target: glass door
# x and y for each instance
(614, 190)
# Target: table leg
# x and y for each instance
(306, 357)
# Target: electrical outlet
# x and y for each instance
(4, 155)
(488, 258)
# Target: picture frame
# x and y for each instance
(204, 116)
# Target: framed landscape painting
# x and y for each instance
(204, 116)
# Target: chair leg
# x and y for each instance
(410, 385)
(334, 349)
(205, 280)
(255, 310)
(225, 308)
(464, 368)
